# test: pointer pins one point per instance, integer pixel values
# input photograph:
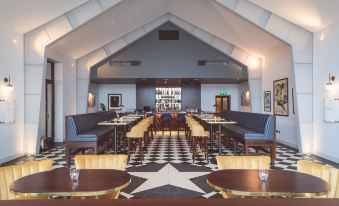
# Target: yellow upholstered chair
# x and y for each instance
(242, 162)
(197, 134)
(11, 173)
(117, 162)
(325, 172)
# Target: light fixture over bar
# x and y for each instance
(133, 63)
(213, 62)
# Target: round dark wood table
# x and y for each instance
(280, 183)
(58, 183)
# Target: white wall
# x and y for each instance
(11, 63)
(209, 91)
(65, 90)
(128, 92)
(243, 87)
(326, 135)
(278, 65)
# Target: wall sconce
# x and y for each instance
(329, 84)
(7, 81)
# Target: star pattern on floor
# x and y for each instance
(168, 175)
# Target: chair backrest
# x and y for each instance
(243, 162)
(11, 173)
(117, 162)
(325, 172)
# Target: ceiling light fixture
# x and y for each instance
(330, 83)
(125, 63)
(213, 62)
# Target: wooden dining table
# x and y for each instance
(94, 182)
(280, 183)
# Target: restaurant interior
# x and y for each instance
(148, 102)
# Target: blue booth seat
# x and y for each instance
(83, 131)
(252, 129)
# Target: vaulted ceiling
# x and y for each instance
(312, 15)
(25, 15)
(116, 22)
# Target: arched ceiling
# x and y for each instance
(130, 14)
(309, 14)
(312, 15)
(24, 15)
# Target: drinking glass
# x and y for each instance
(263, 175)
(74, 174)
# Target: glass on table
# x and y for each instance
(263, 175)
(74, 174)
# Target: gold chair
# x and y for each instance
(139, 135)
(197, 135)
(117, 162)
(325, 172)
(11, 173)
(242, 162)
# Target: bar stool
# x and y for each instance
(198, 136)
(136, 136)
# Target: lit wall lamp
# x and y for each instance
(7, 81)
(330, 83)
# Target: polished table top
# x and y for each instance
(118, 121)
(58, 183)
(280, 183)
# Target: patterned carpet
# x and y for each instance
(168, 170)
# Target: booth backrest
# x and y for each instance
(263, 123)
(77, 124)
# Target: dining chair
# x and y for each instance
(242, 162)
(197, 136)
(325, 172)
(9, 174)
(138, 136)
(117, 162)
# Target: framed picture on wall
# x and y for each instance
(280, 97)
(114, 101)
(267, 101)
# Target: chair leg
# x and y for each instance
(129, 142)
(206, 148)
(235, 147)
(140, 150)
(246, 148)
(194, 150)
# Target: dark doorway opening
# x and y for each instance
(50, 105)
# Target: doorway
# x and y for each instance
(50, 105)
(222, 103)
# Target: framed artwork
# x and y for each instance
(280, 97)
(114, 101)
(267, 101)
(245, 100)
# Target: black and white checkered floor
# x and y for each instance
(169, 172)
